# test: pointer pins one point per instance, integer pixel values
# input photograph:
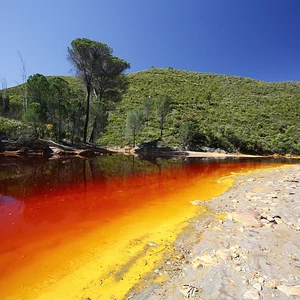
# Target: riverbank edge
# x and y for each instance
(217, 258)
(41, 148)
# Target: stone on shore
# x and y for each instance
(290, 290)
(252, 294)
(250, 218)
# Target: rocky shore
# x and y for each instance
(247, 245)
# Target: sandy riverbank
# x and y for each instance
(247, 246)
(178, 153)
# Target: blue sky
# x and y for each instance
(259, 39)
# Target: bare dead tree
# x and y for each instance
(24, 80)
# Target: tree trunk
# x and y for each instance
(134, 138)
(73, 133)
(36, 132)
(93, 133)
(24, 98)
(87, 114)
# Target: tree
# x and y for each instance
(187, 132)
(134, 123)
(109, 81)
(38, 92)
(38, 89)
(59, 94)
(13, 108)
(148, 104)
(99, 111)
(208, 97)
(86, 55)
(109, 84)
(76, 113)
(34, 117)
(163, 107)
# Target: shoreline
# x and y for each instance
(186, 153)
(247, 247)
(53, 150)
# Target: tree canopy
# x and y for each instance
(97, 68)
(134, 123)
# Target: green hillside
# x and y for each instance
(233, 113)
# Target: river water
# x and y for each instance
(77, 229)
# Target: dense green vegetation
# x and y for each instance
(13, 128)
(219, 111)
(229, 112)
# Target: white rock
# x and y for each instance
(257, 286)
(249, 218)
(278, 221)
(261, 280)
(264, 221)
(206, 260)
(224, 254)
(266, 209)
(229, 217)
(251, 295)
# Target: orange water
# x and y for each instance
(73, 233)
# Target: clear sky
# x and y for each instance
(259, 39)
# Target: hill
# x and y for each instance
(232, 113)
